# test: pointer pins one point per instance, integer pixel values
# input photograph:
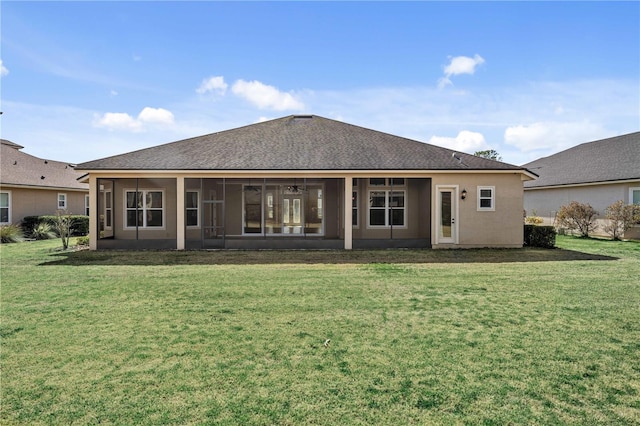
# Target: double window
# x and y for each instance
(144, 209)
(387, 203)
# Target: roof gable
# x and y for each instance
(605, 160)
(296, 143)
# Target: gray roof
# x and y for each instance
(19, 168)
(296, 143)
(606, 160)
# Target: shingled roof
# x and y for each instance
(606, 160)
(297, 143)
(18, 168)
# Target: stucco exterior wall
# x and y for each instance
(546, 202)
(39, 202)
(502, 227)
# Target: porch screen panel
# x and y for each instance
(314, 211)
(273, 209)
(252, 209)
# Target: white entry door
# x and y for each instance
(447, 214)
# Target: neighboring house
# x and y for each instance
(303, 182)
(599, 173)
(31, 186)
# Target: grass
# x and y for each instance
(417, 336)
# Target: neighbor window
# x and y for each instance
(5, 207)
(62, 201)
(192, 203)
(144, 209)
(486, 198)
(634, 195)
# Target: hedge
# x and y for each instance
(79, 223)
(539, 236)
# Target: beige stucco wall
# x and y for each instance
(546, 202)
(39, 202)
(502, 227)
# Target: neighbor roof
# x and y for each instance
(21, 169)
(606, 160)
(297, 143)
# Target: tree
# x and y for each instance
(578, 216)
(63, 227)
(490, 154)
(621, 218)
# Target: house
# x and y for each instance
(32, 186)
(598, 173)
(303, 181)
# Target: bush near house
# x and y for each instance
(578, 217)
(79, 223)
(621, 218)
(539, 236)
(11, 234)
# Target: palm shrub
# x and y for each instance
(578, 217)
(11, 234)
(43, 231)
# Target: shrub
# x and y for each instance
(79, 223)
(11, 234)
(578, 216)
(539, 236)
(42, 231)
(533, 220)
(63, 227)
(621, 218)
(82, 241)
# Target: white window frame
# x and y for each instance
(631, 191)
(144, 209)
(87, 205)
(197, 209)
(492, 208)
(62, 201)
(8, 207)
(388, 193)
(107, 208)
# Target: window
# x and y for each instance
(354, 209)
(486, 198)
(62, 201)
(386, 208)
(5, 207)
(192, 204)
(386, 182)
(107, 209)
(144, 209)
(86, 205)
(634, 195)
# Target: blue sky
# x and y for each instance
(86, 80)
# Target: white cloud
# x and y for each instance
(214, 84)
(113, 93)
(466, 141)
(3, 70)
(123, 121)
(556, 136)
(460, 65)
(266, 97)
(155, 115)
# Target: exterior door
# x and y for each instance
(447, 215)
(213, 232)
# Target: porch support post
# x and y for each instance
(93, 213)
(180, 213)
(348, 213)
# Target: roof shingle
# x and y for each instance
(296, 143)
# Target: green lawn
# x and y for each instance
(417, 336)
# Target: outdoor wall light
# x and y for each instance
(464, 193)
